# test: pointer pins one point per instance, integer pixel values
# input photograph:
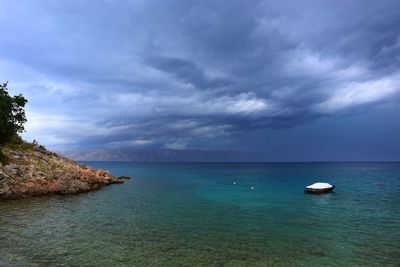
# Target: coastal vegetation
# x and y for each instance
(12, 119)
(12, 115)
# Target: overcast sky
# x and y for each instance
(296, 80)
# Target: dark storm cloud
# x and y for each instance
(186, 71)
(195, 73)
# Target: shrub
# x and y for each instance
(12, 114)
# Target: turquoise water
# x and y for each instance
(194, 215)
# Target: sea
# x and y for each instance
(213, 214)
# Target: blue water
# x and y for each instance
(194, 215)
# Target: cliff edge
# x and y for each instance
(31, 170)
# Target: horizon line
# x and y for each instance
(351, 161)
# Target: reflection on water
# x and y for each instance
(185, 214)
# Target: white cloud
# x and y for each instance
(194, 104)
(137, 142)
(55, 129)
(359, 93)
(211, 131)
(302, 62)
(247, 103)
(176, 145)
(241, 104)
(184, 124)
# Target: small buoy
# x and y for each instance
(252, 188)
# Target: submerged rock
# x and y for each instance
(124, 177)
(33, 172)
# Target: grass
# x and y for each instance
(3, 159)
(17, 144)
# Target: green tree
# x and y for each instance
(12, 114)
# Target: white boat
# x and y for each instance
(318, 188)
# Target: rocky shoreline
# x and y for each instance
(35, 171)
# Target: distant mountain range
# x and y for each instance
(162, 155)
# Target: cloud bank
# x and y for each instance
(195, 74)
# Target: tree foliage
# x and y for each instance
(12, 114)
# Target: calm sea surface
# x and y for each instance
(193, 214)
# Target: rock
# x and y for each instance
(123, 177)
(11, 169)
(4, 189)
(38, 154)
(33, 172)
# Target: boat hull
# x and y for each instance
(318, 191)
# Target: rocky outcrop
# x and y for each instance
(36, 171)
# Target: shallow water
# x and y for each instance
(188, 214)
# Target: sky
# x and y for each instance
(294, 80)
